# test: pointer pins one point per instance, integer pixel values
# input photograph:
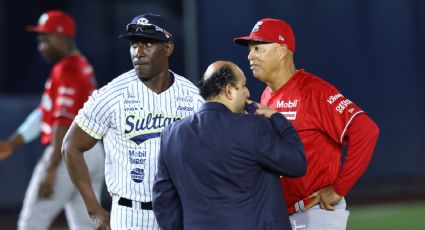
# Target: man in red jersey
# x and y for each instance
(325, 120)
(69, 85)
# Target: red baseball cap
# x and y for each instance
(55, 21)
(269, 30)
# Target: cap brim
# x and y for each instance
(243, 41)
(37, 29)
(130, 36)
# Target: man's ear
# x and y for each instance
(283, 51)
(228, 91)
(169, 48)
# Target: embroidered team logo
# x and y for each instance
(257, 26)
(141, 129)
(143, 21)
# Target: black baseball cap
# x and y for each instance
(148, 26)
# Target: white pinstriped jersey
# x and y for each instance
(129, 117)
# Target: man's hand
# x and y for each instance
(46, 186)
(263, 110)
(326, 197)
(100, 219)
(6, 148)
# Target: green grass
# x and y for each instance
(402, 216)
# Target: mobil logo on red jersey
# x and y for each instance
(289, 104)
(289, 108)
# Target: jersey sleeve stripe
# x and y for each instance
(86, 129)
(346, 125)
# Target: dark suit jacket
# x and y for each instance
(220, 170)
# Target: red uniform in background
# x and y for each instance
(325, 121)
(70, 84)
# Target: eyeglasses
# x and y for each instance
(146, 29)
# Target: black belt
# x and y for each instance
(129, 203)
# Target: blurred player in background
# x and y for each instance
(69, 85)
(325, 121)
(129, 114)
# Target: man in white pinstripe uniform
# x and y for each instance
(129, 114)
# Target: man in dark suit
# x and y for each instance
(220, 168)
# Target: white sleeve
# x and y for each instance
(31, 128)
(95, 115)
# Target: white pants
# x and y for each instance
(320, 219)
(133, 218)
(39, 213)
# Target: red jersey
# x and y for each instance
(321, 115)
(70, 83)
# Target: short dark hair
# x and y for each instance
(215, 84)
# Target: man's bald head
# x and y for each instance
(217, 76)
(215, 66)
